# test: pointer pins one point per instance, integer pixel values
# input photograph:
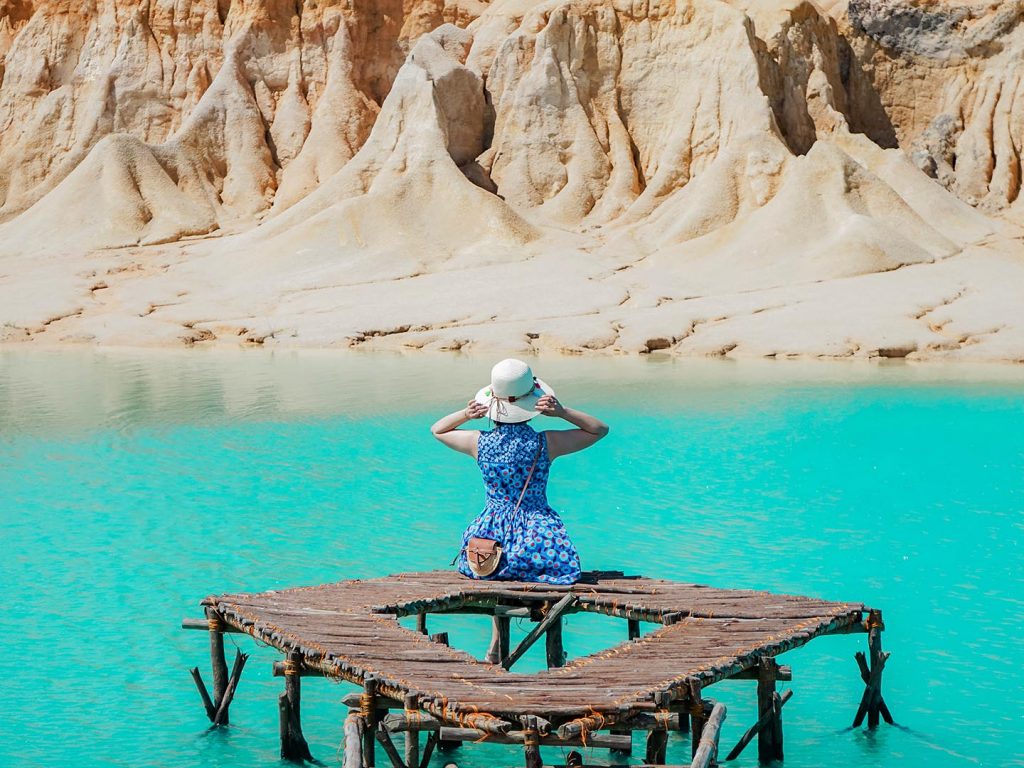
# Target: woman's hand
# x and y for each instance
(475, 410)
(549, 406)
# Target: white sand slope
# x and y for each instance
(701, 177)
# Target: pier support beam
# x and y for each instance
(289, 703)
(872, 704)
(657, 740)
(224, 685)
(368, 713)
(531, 741)
(697, 717)
(412, 736)
(769, 738)
(555, 650)
(217, 660)
(634, 629)
(756, 728)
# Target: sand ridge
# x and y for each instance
(769, 178)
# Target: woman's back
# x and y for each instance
(505, 455)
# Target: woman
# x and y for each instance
(517, 536)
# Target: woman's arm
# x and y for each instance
(589, 430)
(446, 429)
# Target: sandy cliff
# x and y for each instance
(744, 177)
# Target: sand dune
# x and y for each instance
(695, 177)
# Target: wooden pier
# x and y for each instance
(414, 683)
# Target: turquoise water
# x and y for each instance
(133, 484)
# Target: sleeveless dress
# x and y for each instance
(535, 543)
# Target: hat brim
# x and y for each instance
(513, 413)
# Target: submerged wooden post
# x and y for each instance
(412, 736)
(875, 627)
(555, 650)
(756, 728)
(368, 714)
(696, 715)
(217, 660)
(531, 741)
(549, 618)
(871, 703)
(657, 740)
(293, 743)
(769, 739)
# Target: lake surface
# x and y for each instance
(134, 484)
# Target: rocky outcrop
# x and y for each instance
(418, 171)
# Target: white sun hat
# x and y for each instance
(513, 392)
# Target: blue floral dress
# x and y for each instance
(536, 546)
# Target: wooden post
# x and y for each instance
(499, 640)
(875, 627)
(368, 714)
(696, 715)
(293, 743)
(421, 622)
(872, 704)
(221, 716)
(549, 618)
(211, 711)
(354, 740)
(412, 736)
(756, 728)
(634, 629)
(556, 652)
(217, 660)
(531, 741)
(657, 740)
(769, 739)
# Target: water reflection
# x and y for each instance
(85, 388)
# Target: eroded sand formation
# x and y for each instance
(724, 177)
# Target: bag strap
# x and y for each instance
(540, 446)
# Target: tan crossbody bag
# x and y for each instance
(484, 555)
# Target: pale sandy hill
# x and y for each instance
(699, 176)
